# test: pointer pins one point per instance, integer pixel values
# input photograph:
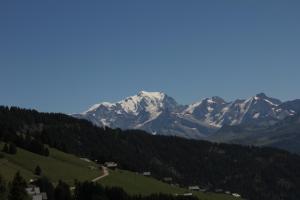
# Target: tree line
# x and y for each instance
(16, 190)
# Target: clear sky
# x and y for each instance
(67, 55)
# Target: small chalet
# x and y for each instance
(111, 165)
(218, 190)
(35, 193)
(146, 173)
(167, 179)
(185, 194)
(194, 188)
(203, 189)
(236, 195)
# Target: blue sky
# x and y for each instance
(63, 56)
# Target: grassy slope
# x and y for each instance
(57, 166)
(67, 167)
(137, 184)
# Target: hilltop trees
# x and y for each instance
(94, 191)
(83, 191)
(11, 148)
(62, 191)
(45, 186)
(38, 170)
(2, 188)
(5, 148)
(17, 188)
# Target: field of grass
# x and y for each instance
(137, 184)
(68, 167)
(57, 166)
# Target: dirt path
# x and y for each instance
(105, 173)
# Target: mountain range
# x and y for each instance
(158, 113)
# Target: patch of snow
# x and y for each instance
(92, 108)
(266, 100)
(245, 106)
(107, 104)
(234, 122)
(104, 122)
(210, 101)
(256, 115)
(119, 112)
(96, 106)
(192, 107)
(153, 101)
(153, 95)
(210, 109)
(225, 109)
(152, 117)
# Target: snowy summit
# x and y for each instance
(158, 113)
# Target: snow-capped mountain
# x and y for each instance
(158, 113)
(133, 112)
(259, 109)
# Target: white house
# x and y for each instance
(167, 179)
(111, 165)
(194, 188)
(236, 195)
(146, 173)
(184, 194)
(32, 190)
(35, 193)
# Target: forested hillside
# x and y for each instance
(256, 173)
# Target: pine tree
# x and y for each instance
(46, 152)
(45, 185)
(17, 188)
(5, 148)
(2, 188)
(62, 191)
(12, 149)
(38, 171)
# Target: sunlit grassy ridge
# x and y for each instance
(68, 167)
(57, 166)
(134, 183)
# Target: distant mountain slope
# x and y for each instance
(158, 113)
(291, 105)
(285, 134)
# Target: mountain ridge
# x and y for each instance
(158, 113)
